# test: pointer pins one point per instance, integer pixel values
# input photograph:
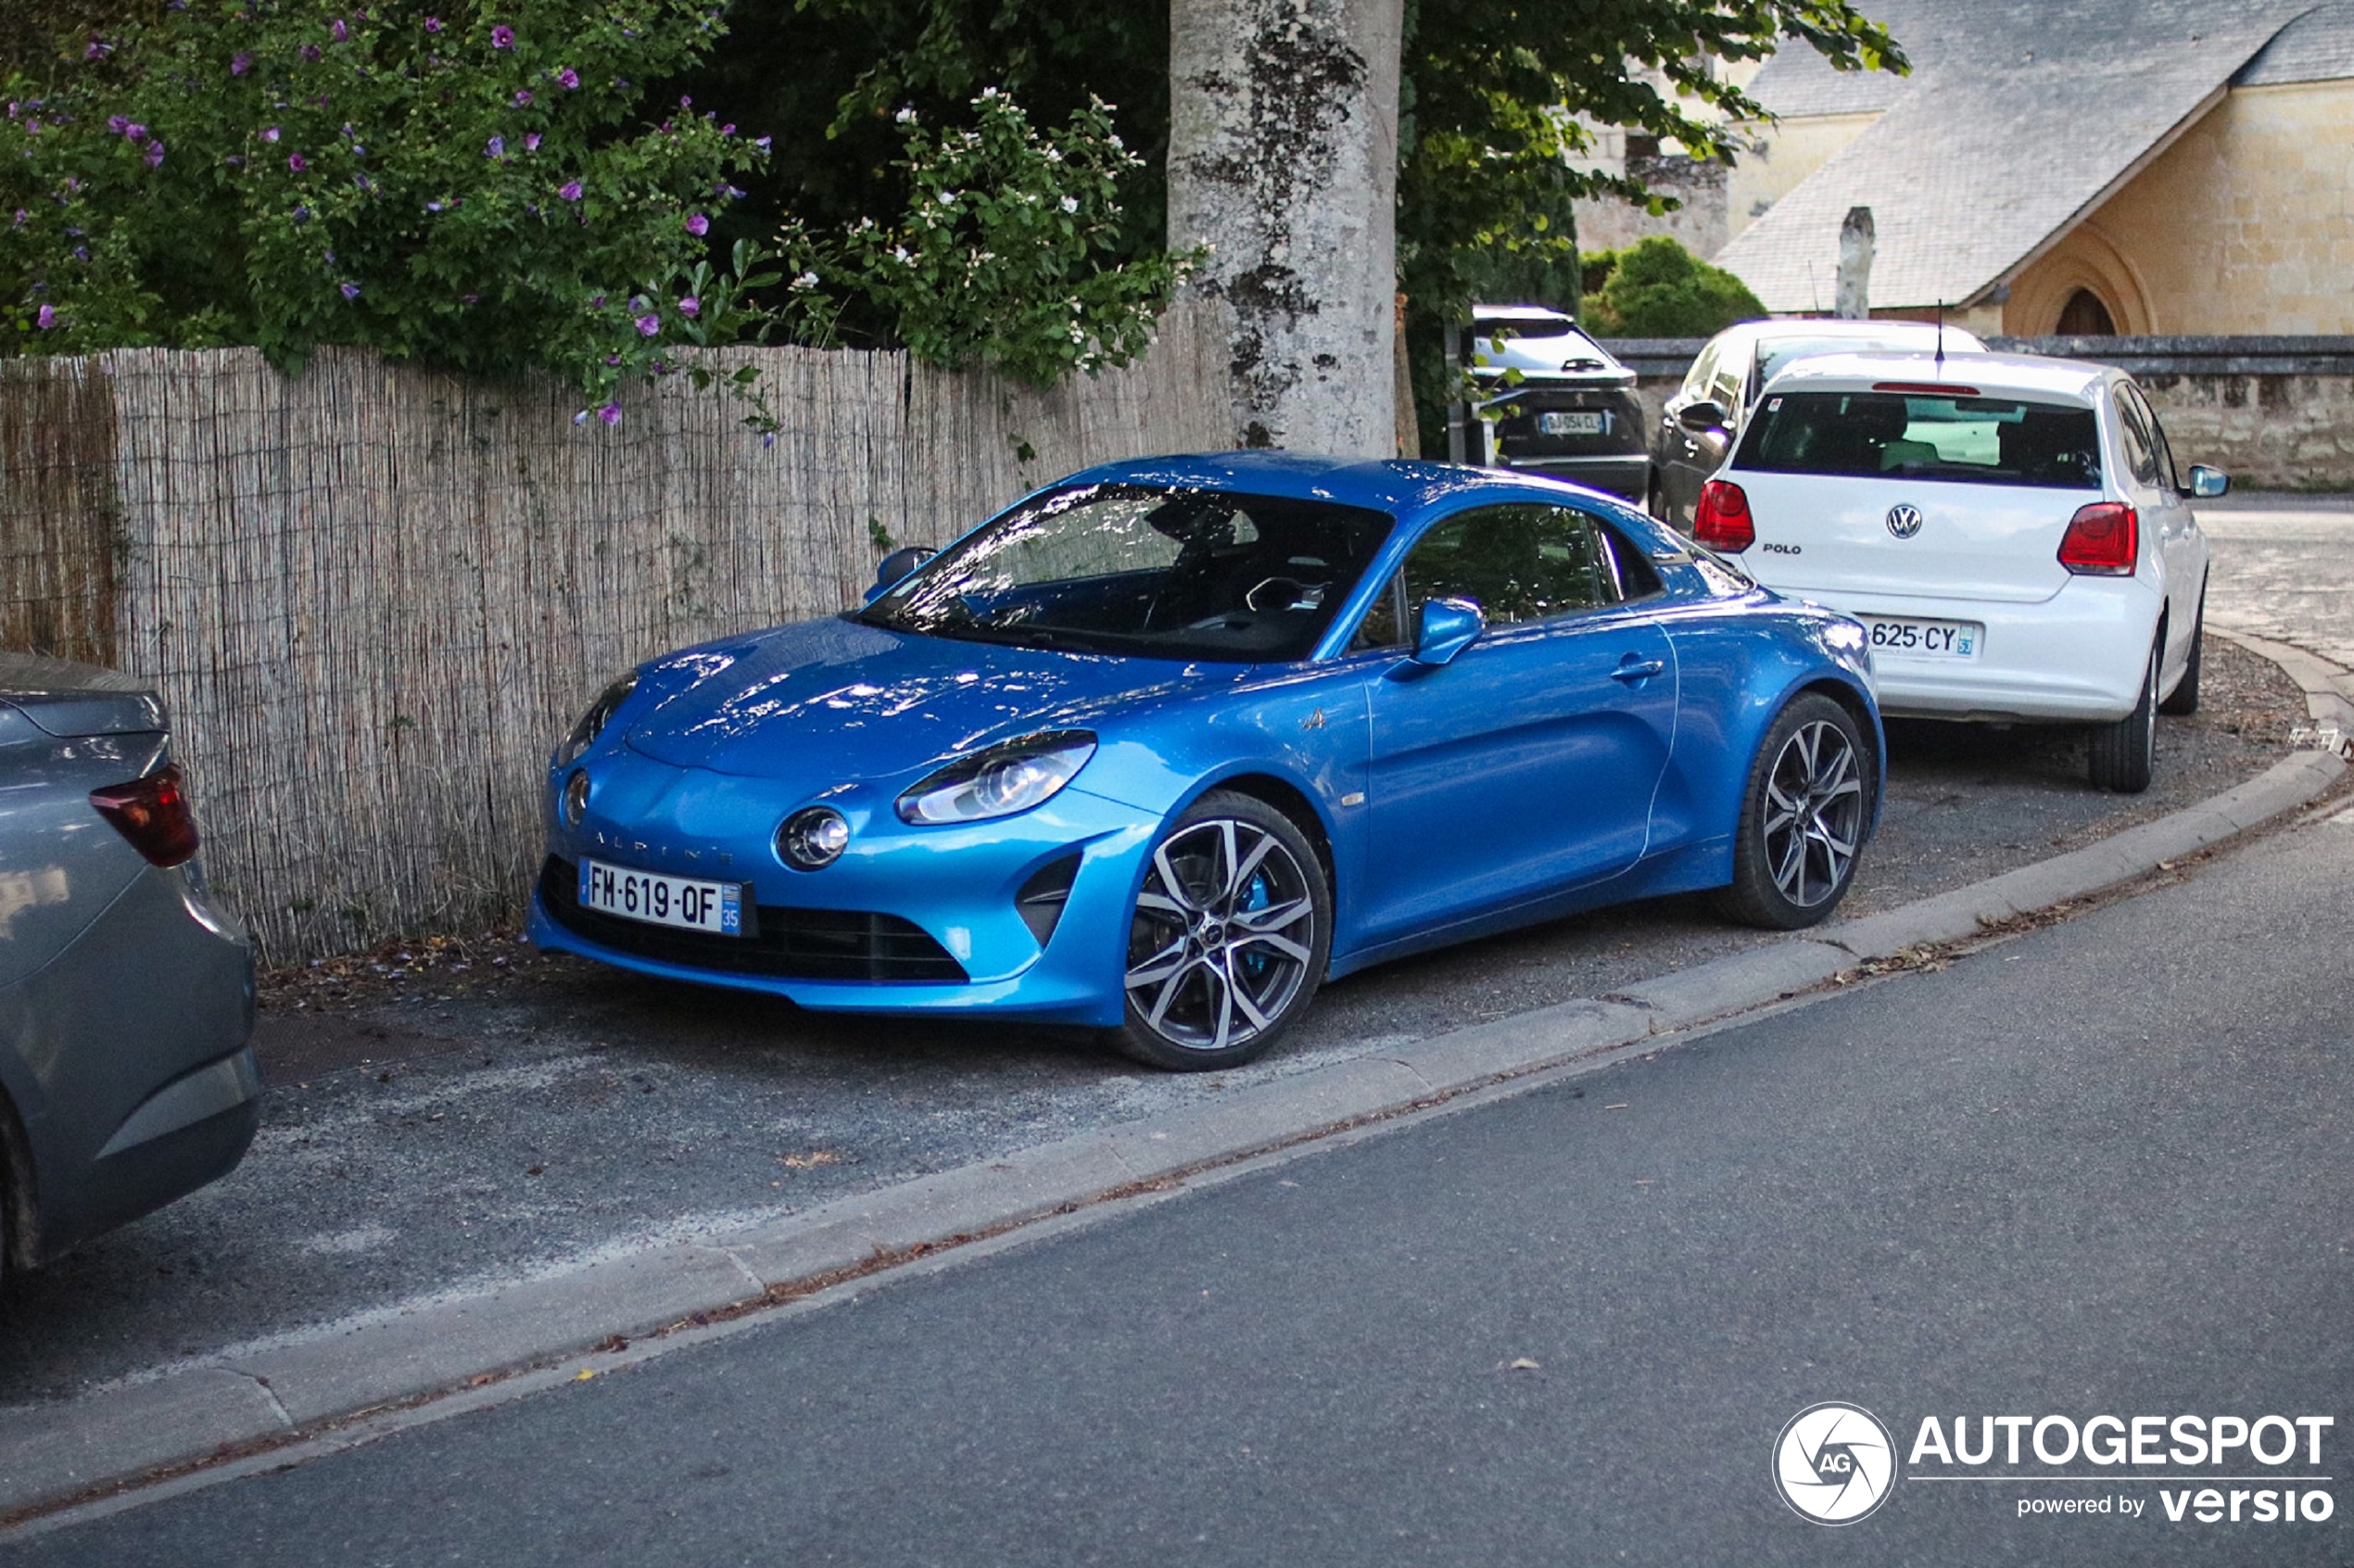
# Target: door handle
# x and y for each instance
(1632, 669)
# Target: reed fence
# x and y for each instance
(374, 594)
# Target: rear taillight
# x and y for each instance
(153, 814)
(1722, 520)
(2104, 539)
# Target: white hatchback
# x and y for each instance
(2011, 529)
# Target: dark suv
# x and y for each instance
(1572, 413)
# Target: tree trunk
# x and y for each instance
(1283, 160)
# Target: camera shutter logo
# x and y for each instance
(1834, 1464)
(1905, 520)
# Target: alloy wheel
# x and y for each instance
(1814, 814)
(1224, 933)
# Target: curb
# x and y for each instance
(272, 1395)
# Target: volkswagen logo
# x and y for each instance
(1904, 521)
(1834, 1463)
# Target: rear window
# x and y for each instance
(1976, 440)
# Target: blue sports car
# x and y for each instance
(1165, 746)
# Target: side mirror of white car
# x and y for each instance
(2209, 483)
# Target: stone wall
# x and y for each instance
(2276, 414)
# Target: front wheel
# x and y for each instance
(1802, 818)
(2123, 755)
(1228, 940)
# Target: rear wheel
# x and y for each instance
(1228, 938)
(2184, 698)
(2124, 754)
(1802, 818)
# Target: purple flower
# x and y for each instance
(698, 225)
(117, 124)
(309, 51)
(240, 63)
(648, 325)
(82, 253)
(570, 190)
(581, 418)
(351, 291)
(531, 143)
(728, 129)
(496, 147)
(46, 318)
(269, 132)
(569, 78)
(691, 306)
(99, 49)
(155, 154)
(297, 163)
(302, 215)
(470, 299)
(22, 216)
(598, 303)
(685, 102)
(433, 206)
(135, 131)
(610, 413)
(523, 96)
(612, 359)
(503, 37)
(433, 24)
(761, 142)
(336, 29)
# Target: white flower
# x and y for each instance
(899, 252)
(906, 116)
(806, 281)
(948, 198)
(987, 94)
(1116, 143)
(1054, 155)
(1070, 204)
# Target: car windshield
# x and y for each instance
(1168, 573)
(1977, 440)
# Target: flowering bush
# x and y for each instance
(1002, 259)
(448, 180)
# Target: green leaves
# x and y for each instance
(1002, 259)
(1656, 288)
(448, 180)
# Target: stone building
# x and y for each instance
(2084, 167)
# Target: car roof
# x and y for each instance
(2025, 374)
(1396, 485)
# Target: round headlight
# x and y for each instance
(812, 839)
(576, 800)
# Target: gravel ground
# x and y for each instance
(455, 1112)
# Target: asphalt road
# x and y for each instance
(2096, 1169)
(433, 1132)
(2280, 569)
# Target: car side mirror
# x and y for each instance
(1446, 629)
(1703, 416)
(897, 564)
(2209, 483)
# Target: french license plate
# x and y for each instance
(1934, 639)
(693, 905)
(1558, 423)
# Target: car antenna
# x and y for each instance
(1941, 337)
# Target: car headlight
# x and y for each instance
(592, 723)
(999, 782)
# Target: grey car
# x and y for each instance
(126, 994)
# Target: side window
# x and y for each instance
(1704, 371)
(1380, 629)
(2168, 474)
(2140, 454)
(1518, 563)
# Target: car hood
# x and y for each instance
(854, 701)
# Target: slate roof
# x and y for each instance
(2018, 117)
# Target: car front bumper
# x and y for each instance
(2076, 657)
(908, 920)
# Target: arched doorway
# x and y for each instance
(2085, 316)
